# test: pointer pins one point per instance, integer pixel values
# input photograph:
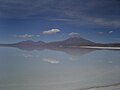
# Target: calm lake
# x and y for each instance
(65, 69)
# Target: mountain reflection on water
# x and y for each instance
(68, 50)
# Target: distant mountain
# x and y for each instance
(73, 41)
(70, 42)
(29, 43)
(26, 45)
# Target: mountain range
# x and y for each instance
(73, 41)
(70, 42)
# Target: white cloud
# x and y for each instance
(52, 31)
(110, 32)
(73, 34)
(52, 61)
(24, 36)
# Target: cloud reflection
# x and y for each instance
(51, 61)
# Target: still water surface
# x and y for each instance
(66, 69)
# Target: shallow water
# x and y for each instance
(58, 69)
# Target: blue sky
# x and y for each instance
(50, 20)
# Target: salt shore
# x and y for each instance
(105, 87)
(97, 47)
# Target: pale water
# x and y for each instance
(66, 69)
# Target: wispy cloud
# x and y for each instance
(105, 22)
(100, 33)
(27, 35)
(24, 36)
(60, 19)
(81, 18)
(73, 34)
(52, 61)
(82, 12)
(52, 31)
(37, 35)
(27, 55)
(105, 33)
